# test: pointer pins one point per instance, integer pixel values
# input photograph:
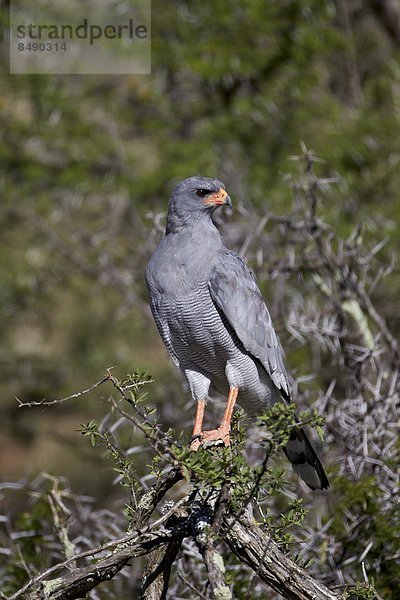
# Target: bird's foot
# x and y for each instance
(211, 438)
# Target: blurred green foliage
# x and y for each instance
(381, 527)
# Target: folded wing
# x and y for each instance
(234, 290)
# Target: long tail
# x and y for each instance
(305, 461)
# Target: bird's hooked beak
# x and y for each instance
(218, 199)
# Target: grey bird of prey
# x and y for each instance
(215, 323)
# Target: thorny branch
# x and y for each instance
(61, 400)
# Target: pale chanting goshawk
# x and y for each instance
(215, 323)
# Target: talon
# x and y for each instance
(210, 438)
(195, 442)
(216, 435)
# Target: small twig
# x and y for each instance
(380, 322)
(159, 440)
(191, 587)
(136, 385)
(61, 400)
(61, 528)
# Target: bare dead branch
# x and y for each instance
(158, 570)
(253, 546)
(79, 582)
(61, 400)
(207, 542)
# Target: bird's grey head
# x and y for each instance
(195, 198)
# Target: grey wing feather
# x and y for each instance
(234, 290)
(162, 324)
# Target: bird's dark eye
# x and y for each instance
(202, 193)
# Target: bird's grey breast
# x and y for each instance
(181, 262)
(177, 276)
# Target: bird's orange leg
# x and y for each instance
(223, 431)
(198, 425)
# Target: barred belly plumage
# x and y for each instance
(211, 355)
